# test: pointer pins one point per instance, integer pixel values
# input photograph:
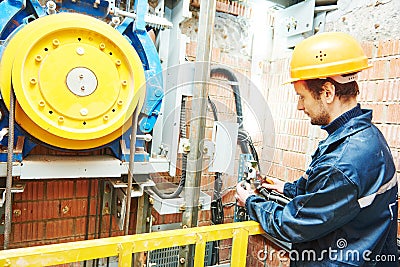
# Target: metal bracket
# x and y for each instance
(118, 206)
(16, 188)
(175, 205)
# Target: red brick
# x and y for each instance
(379, 70)
(23, 232)
(59, 228)
(368, 47)
(393, 113)
(216, 54)
(224, 254)
(33, 191)
(35, 211)
(80, 226)
(277, 171)
(295, 160)
(394, 68)
(381, 89)
(60, 189)
(378, 111)
(82, 187)
(73, 208)
(387, 48)
(396, 47)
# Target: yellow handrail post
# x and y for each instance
(240, 240)
(200, 251)
(125, 254)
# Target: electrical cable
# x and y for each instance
(217, 209)
(231, 77)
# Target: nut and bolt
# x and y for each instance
(17, 212)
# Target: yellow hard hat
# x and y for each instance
(325, 55)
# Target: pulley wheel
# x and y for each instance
(76, 80)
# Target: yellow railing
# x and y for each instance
(124, 246)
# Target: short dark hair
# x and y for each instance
(342, 90)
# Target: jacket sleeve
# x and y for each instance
(330, 202)
(296, 188)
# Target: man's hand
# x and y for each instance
(243, 191)
(274, 184)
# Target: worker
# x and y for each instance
(344, 207)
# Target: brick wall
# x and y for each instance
(56, 211)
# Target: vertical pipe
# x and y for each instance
(10, 152)
(130, 168)
(198, 123)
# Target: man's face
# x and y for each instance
(315, 108)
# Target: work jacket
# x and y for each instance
(344, 208)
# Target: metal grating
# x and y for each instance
(169, 257)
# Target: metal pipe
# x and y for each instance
(130, 168)
(10, 152)
(198, 122)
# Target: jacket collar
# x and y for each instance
(351, 127)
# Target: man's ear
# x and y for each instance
(328, 92)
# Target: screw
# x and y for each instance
(182, 260)
(80, 51)
(146, 125)
(84, 111)
(56, 42)
(65, 209)
(17, 212)
(158, 93)
(102, 46)
(106, 210)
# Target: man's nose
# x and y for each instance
(300, 105)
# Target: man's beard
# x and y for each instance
(322, 118)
